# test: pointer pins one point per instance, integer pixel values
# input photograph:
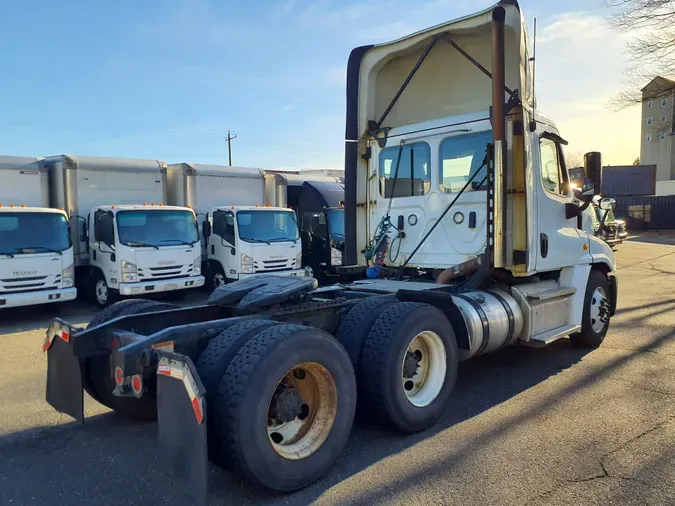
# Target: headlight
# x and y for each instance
(335, 256)
(129, 272)
(197, 267)
(68, 276)
(246, 264)
(298, 260)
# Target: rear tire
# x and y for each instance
(290, 441)
(100, 383)
(408, 337)
(596, 309)
(356, 324)
(211, 367)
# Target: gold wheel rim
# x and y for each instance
(307, 391)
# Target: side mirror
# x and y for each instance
(593, 171)
(206, 229)
(608, 204)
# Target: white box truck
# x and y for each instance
(36, 254)
(127, 241)
(246, 226)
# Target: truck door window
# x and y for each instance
(103, 228)
(315, 223)
(413, 178)
(224, 225)
(461, 156)
(552, 175)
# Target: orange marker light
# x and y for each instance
(585, 247)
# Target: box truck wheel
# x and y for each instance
(213, 363)
(217, 277)
(408, 366)
(99, 379)
(596, 315)
(356, 324)
(287, 407)
(99, 292)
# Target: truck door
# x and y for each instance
(557, 239)
(221, 246)
(103, 246)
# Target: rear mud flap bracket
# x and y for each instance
(181, 412)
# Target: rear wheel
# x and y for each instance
(287, 407)
(213, 363)
(100, 383)
(409, 367)
(596, 315)
(356, 324)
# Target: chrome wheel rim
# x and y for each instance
(424, 368)
(599, 310)
(309, 272)
(302, 411)
(218, 280)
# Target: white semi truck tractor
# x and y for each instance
(247, 230)
(36, 253)
(128, 242)
(459, 212)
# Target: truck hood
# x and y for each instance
(38, 271)
(164, 262)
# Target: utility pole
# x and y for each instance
(229, 146)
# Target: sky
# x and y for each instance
(167, 79)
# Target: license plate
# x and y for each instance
(171, 286)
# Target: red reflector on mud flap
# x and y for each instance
(197, 407)
(65, 335)
(137, 384)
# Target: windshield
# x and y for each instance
(267, 226)
(156, 228)
(336, 222)
(33, 233)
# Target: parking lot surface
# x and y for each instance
(525, 427)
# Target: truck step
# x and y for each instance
(555, 334)
(556, 293)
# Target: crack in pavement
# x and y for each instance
(605, 473)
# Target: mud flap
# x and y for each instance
(64, 380)
(181, 412)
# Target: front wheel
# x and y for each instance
(597, 312)
(101, 294)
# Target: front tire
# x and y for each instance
(596, 315)
(408, 367)
(100, 293)
(287, 406)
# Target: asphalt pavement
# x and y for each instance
(526, 426)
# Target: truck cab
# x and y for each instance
(36, 252)
(142, 249)
(319, 205)
(244, 241)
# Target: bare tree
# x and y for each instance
(574, 159)
(651, 49)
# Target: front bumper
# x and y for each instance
(290, 272)
(33, 298)
(164, 285)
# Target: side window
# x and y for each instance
(103, 228)
(223, 225)
(461, 157)
(552, 169)
(414, 178)
(315, 223)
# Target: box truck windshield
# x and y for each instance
(27, 232)
(156, 228)
(267, 226)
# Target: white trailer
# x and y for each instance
(247, 229)
(36, 253)
(127, 241)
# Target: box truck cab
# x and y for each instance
(244, 241)
(36, 253)
(127, 243)
(246, 226)
(319, 204)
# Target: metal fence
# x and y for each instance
(647, 212)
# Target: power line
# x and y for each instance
(229, 146)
